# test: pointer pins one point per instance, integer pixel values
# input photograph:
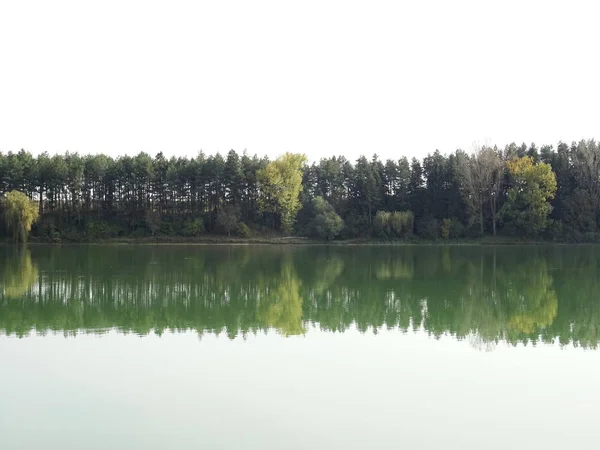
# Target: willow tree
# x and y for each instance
(19, 214)
(280, 184)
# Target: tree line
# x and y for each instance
(481, 293)
(522, 191)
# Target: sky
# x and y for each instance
(319, 77)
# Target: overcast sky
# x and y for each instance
(320, 77)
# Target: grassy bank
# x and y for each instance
(298, 240)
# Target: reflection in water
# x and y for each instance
(531, 297)
(484, 294)
(282, 309)
(18, 273)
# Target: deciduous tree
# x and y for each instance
(280, 184)
(532, 186)
(19, 213)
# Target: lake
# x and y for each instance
(299, 347)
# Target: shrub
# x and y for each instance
(55, 237)
(393, 225)
(356, 225)
(193, 228)
(243, 230)
(326, 224)
(452, 228)
(402, 223)
(139, 232)
(101, 230)
(428, 228)
(382, 224)
(228, 218)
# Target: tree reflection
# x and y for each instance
(282, 308)
(485, 295)
(531, 298)
(18, 274)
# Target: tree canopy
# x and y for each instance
(527, 205)
(281, 183)
(490, 190)
(19, 214)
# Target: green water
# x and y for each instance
(299, 347)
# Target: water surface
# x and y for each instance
(299, 347)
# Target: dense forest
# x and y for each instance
(520, 191)
(486, 294)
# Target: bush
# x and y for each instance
(139, 233)
(402, 223)
(326, 224)
(452, 228)
(101, 230)
(393, 225)
(356, 225)
(382, 224)
(193, 228)
(228, 218)
(243, 230)
(55, 237)
(167, 228)
(428, 228)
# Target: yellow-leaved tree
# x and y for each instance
(280, 184)
(19, 214)
(527, 205)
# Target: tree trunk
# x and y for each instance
(494, 216)
(481, 215)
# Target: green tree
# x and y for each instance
(228, 218)
(326, 224)
(532, 185)
(280, 184)
(233, 178)
(19, 213)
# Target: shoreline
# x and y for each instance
(294, 240)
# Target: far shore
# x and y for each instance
(296, 240)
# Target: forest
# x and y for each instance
(521, 192)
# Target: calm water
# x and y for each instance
(173, 347)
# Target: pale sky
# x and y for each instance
(320, 77)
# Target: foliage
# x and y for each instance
(19, 214)
(243, 230)
(393, 224)
(193, 227)
(452, 228)
(228, 218)
(281, 183)
(532, 185)
(382, 224)
(101, 229)
(96, 197)
(326, 223)
(402, 223)
(428, 228)
(482, 179)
